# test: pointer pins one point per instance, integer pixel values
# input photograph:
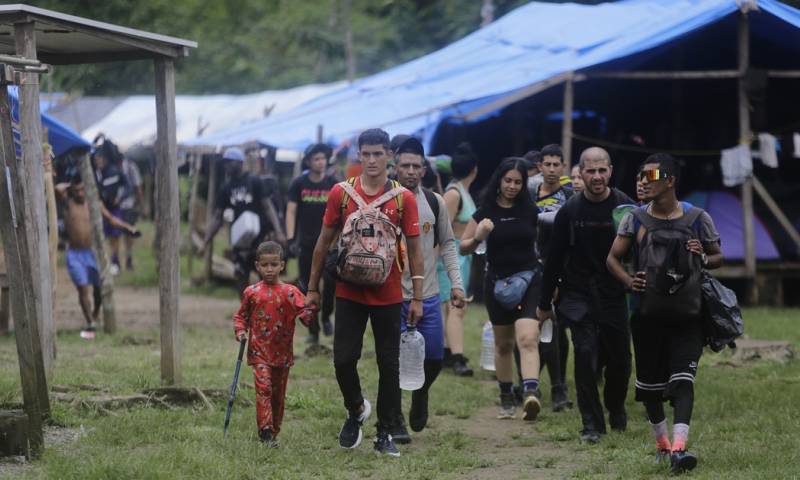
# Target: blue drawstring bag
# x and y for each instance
(509, 291)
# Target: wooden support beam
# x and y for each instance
(31, 138)
(168, 220)
(776, 210)
(566, 124)
(195, 162)
(211, 201)
(665, 75)
(19, 239)
(520, 94)
(99, 244)
(745, 137)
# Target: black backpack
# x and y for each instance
(673, 272)
(434, 204)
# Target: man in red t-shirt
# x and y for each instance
(381, 304)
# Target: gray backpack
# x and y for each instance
(674, 273)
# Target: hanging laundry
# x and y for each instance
(736, 164)
(767, 147)
(796, 138)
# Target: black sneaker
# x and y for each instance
(384, 445)
(418, 415)
(559, 399)
(398, 431)
(531, 406)
(351, 435)
(618, 420)
(327, 328)
(681, 461)
(460, 367)
(590, 436)
(267, 438)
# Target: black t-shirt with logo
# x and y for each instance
(311, 199)
(510, 245)
(241, 194)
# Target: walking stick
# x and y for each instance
(234, 386)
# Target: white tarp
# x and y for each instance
(133, 122)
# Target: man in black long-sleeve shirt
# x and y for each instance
(591, 301)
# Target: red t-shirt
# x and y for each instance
(390, 292)
(269, 316)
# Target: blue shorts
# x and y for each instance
(82, 267)
(464, 264)
(430, 326)
(110, 230)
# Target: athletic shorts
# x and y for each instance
(130, 215)
(665, 355)
(464, 265)
(430, 326)
(82, 267)
(498, 314)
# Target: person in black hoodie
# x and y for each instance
(591, 302)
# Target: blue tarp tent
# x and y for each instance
(514, 57)
(61, 137)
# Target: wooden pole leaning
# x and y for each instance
(19, 237)
(30, 126)
(99, 245)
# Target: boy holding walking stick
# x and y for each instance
(266, 319)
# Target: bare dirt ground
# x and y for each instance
(137, 308)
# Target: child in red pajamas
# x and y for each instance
(267, 319)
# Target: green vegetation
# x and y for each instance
(745, 424)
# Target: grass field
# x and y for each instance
(745, 425)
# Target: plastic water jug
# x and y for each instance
(546, 334)
(487, 347)
(412, 360)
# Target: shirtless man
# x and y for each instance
(81, 262)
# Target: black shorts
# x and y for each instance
(498, 314)
(665, 356)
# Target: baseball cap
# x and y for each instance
(408, 145)
(316, 148)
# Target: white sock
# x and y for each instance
(680, 434)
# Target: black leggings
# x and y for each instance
(348, 339)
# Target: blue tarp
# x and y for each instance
(61, 137)
(530, 45)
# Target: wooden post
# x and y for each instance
(745, 137)
(194, 169)
(168, 220)
(31, 132)
(773, 206)
(211, 200)
(566, 124)
(20, 246)
(52, 225)
(99, 244)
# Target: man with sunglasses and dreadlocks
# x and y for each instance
(590, 302)
(672, 242)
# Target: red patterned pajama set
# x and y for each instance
(269, 315)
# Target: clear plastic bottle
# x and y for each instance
(546, 334)
(412, 360)
(487, 347)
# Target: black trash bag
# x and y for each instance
(722, 318)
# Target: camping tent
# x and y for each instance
(524, 52)
(61, 137)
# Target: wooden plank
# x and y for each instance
(52, 225)
(566, 124)
(776, 210)
(745, 137)
(99, 244)
(18, 232)
(188, 246)
(33, 173)
(518, 95)
(211, 200)
(168, 221)
(5, 306)
(666, 75)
